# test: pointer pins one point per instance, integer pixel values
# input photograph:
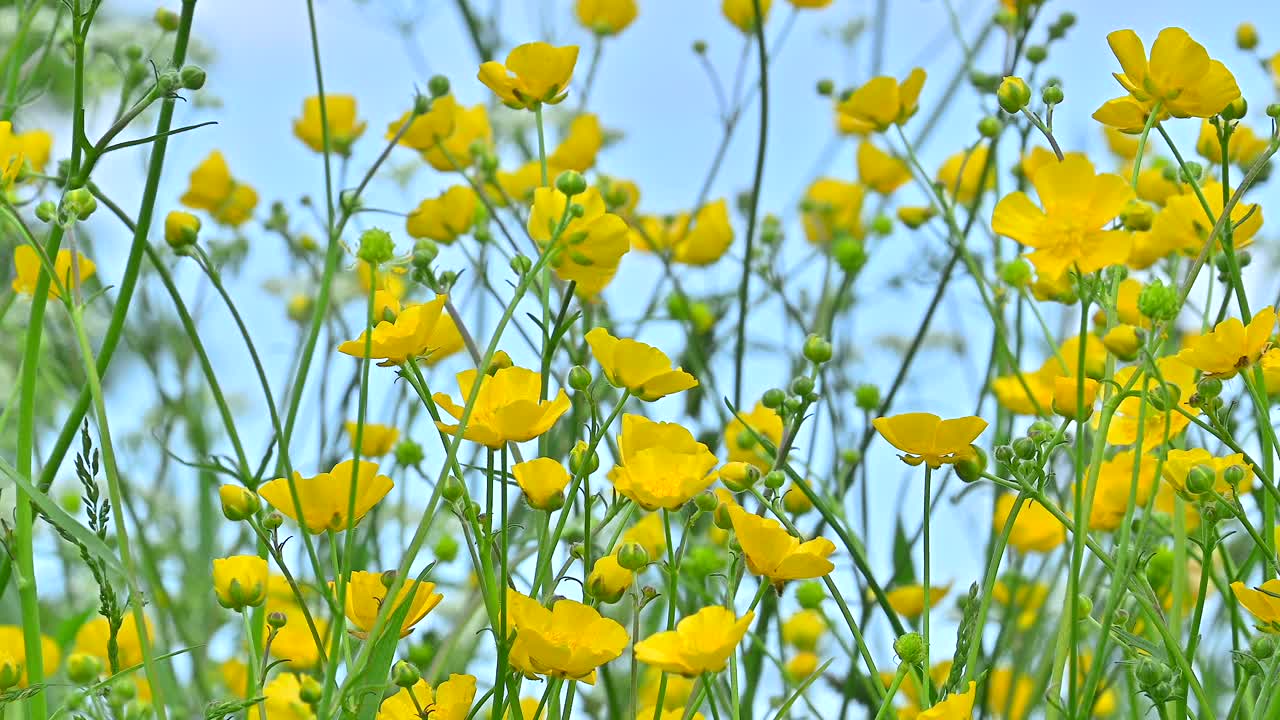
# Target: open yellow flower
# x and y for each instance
(428, 129)
(344, 127)
(534, 73)
(418, 330)
(454, 150)
(642, 369)
(1230, 346)
(1010, 694)
(957, 706)
(774, 553)
(1124, 424)
(701, 643)
(507, 408)
(323, 500)
(908, 600)
(450, 700)
(1178, 464)
(378, 439)
(606, 17)
(578, 149)
(1262, 602)
(742, 13)
(1182, 225)
(830, 207)
(367, 593)
(26, 267)
(703, 244)
(1078, 205)
(742, 445)
(589, 247)
(445, 217)
(92, 639)
(543, 481)
(213, 190)
(879, 170)
(12, 641)
(19, 150)
(883, 102)
(570, 640)
(661, 464)
(1180, 77)
(608, 580)
(1116, 485)
(965, 175)
(1034, 530)
(1020, 596)
(240, 581)
(927, 438)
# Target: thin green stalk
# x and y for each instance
(740, 347)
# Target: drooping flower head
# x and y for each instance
(507, 408)
(323, 500)
(445, 217)
(927, 438)
(533, 73)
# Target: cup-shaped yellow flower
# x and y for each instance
(12, 642)
(429, 129)
(214, 190)
(1078, 205)
(543, 481)
(577, 151)
(774, 553)
(642, 369)
(883, 102)
(1262, 602)
(444, 218)
(344, 127)
(507, 408)
(450, 700)
(455, 150)
(26, 266)
(908, 600)
(1034, 530)
(589, 248)
(925, 437)
(181, 229)
(569, 640)
(661, 465)
(832, 206)
(608, 580)
(378, 440)
(957, 706)
(742, 443)
(417, 331)
(879, 170)
(803, 629)
(702, 244)
(701, 643)
(240, 581)
(606, 17)
(1231, 346)
(323, 500)
(1067, 392)
(1178, 465)
(742, 13)
(1180, 76)
(533, 73)
(367, 593)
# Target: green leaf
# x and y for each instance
(371, 682)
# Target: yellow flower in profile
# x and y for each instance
(93, 636)
(908, 600)
(642, 369)
(1034, 530)
(418, 330)
(569, 640)
(12, 641)
(1070, 231)
(927, 438)
(742, 445)
(649, 534)
(517, 185)
(344, 127)
(323, 500)
(830, 207)
(913, 216)
(450, 700)
(429, 129)
(883, 102)
(1180, 76)
(703, 244)
(367, 593)
(957, 706)
(27, 267)
(507, 409)
(1230, 346)
(1116, 485)
(803, 629)
(608, 580)
(742, 13)
(534, 73)
(701, 643)
(543, 481)
(378, 440)
(181, 228)
(774, 553)
(1067, 393)
(879, 170)
(240, 581)
(661, 465)
(965, 175)
(577, 151)
(1178, 464)
(445, 217)
(284, 699)
(606, 17)
(1262, 602)
(212, 189)
(590, 246)
(20, 150)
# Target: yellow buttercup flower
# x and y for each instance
(701, 643)
(703, 244)
(1178, 464)
(803, 629)
(20, 150)
(957, 706)
(1271, 371)
(1182, 225)
(534, 73)
(378, 440)
(830, 207)
(1066, 397)
(577, 151)
(742, 445)
(517, 185)
(429, 129)
(800, 666)
(92, 639)
(294, 643)
(649, 712)
(883, 102)
(1036, 397)
(543, 481)
(181, 228)
(774, 553)
(240, 581)
(742, 13)
(913, 216)
(642, 369)
(1180, 76)
(910, 688)
(589, 247)
(284, 699)
(1037, 158)
(367, 593)
(608, 580)
(344, 127)
(418, 330)
(927, 438)
(606, 17)
(323, 500)
(1034, 530)
(1262, 602)
(26, 267)
(810, 4)
(12, 641)
(879, 170)
(679, 689)
(213, 190)
(965, 175)
(1231, 346)
(661, 465)
(450, 700)
(1116, 485)
(507, 408)
(570, 640)
(1069, 232)
(908, 600)
(445, 217)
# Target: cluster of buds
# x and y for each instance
(1027, 456)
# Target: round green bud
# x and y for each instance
(1263, 646)
(882, 225)
(376, 246)
(1025, 448)
(1040, 429)
(1159, 569)
(1236, 109)
(1244, 257)
(971, 467)
(632, 556)
(867, 397)
(310, 690)
(1273, 110)
(1192, 171)
(850, 456)
(773, 398)
(1161, 692)
(167, 20)
(1149, 672)
(521, 264)
(83, 668)
(453, 490)
(1013, 94)
(46, 211)
(425, 251)
(706, 501)
(989, 126)
(446, 549)
(571, 182)
(775, 479)
(810, 594)
(1084, 606)
(1246, 36)
(1159, 301)
(422, 653)
(1233, 475)
(826, 87)
(1209, 387)
(421, 104)
(817, 349)
(792, 405)
(277, 620)
(192, 77)
(273, 521)
(132, 52)
(122, 691)
(911, 649)
(700, 46)
(1004, 455)
(849, 254)
(167, 82)
(984, 82)
(1200, 480)
(582, 462)
(802, 385)
(438, 86)
(388, 578)
(79, 203)
(405, 675)
(1037, 54)
(409, 453)
(1067, 19)
(1051, 95)
(579, 378)
(1017, 273)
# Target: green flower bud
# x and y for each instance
(453, 490)
(911, 649)
(1246, 36)
(438, 86)
(1013, 94)
(1051, 95)
(579, 378)
(849, 254)
(826, 87)
(409, 453)
(1137, 216)
(1025, 448)
(1017, 273)
(850, 456)
(422, 653)
(1263, 646)
(83, 668)
(167, 20)
(46, 211)
(1200, 480)
(882, 225)
(970, 468)
(1037, 54)
(405, 675)
(706, 501)
(1273, 110)
(867, 397)
(1236, 109)
(700, 46)
(446, 549)
(79, 203)
(1150, 672)
(810, 594)
(1159, 570)
(802, 385)
(425, 251)
(1233, 475)
(376, 246)
(1209, 387)
(167, 82)
(989, 127)
(310, 691)
(192, 77)
(582, 462)
(632, 556)
(1084, 606)
(521, 264)
(775, 479)
(773, 398)
(571, 182)
(1159, 301)
(388, 578)
(1164, 398)
(273, 521)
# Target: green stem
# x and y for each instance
(740, 347)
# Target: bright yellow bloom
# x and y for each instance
(570, 640)
(418, 330)
(12, 641)
(450, 700)
(810, 4)
(1078, 205)
(661, 465)
(344, 127)
(543, 481)
(323, 500)
(1037, 158)
(965, 175)
(517, 185)
(19, 150)
(608, 580)
(831, 207)
(883, 102)
(578, 149)
(1034, 530)
(606, 17)
(367, 593)
(446, 134)
(507, 408)
(378, 440)
(908, 600)
(93, 636)
(774, 553)
(1036, 397)
(742, 13)
(589, 247)
(27, 267)
(1178, 464)
(642, 369)
(284, 699)
(240, 581)
(910, 688)
(181, 228)
(741, 444)
(957, 706)
(795, 501)
(925, 437)
(1124, 424)
(701, 643)
(801, 666)
(294, 642)
(803, 629)
(428, 129)
(1262, 602)
(1116, 485)
(1066, 397)
(879, 170)
(1230, 346)
(703, 244)
(679, 689)
(1180, 76)
(1271, 371)
(1183, 226)
(390, 279)
(212, 189)
(1122, 145)
(649, 534)
(534, 73)
(445, 217)
(913, 216)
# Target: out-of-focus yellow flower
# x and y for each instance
(661, 464)
(910, 688)
(810, 4)
(93, 636)
(1118, 481)
(212, 189)
(927, 438)
(418, 330)
(649, 534)
(235, 675)
(507, 408)
(804, 629)
(589, 247)
(534, 73)
(470, 129)
(26, 267)
(427, 130)
(1183, 226)
(377, 440)
(883, 102)
(1180, 77)
(578, 149)
(294, 642)
(642, 369)
(741, 444)
(543, 481)
(1122, 145)
(569, 640)
(606, 17)
(742, 13)
(367, 593)
(344, 127)
(908, 600)
(450, 700)
(1036, 397)
(1067, 394)
(389, 279)
(795, 501)
(957, 706)
(1010, 694)
(965, 175)
(879, 170)
(323, 500)
(1230, 346)
(1271, 371)
(19, 150)
(608, 580)
(913, 216)
(649, 712)
(800, 666)
(1078, 205)
(181, 228)
(12, 642)
(1262, 602)
(679, 689)
(1022, 597)
(774, 553)
(703, 244)
(832, 206)
(1034, 530)
(240, 581)
(517, 185)
(1178, 464)
(701, 643)
(284, 699)
(445, 217)
(1124, 424)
